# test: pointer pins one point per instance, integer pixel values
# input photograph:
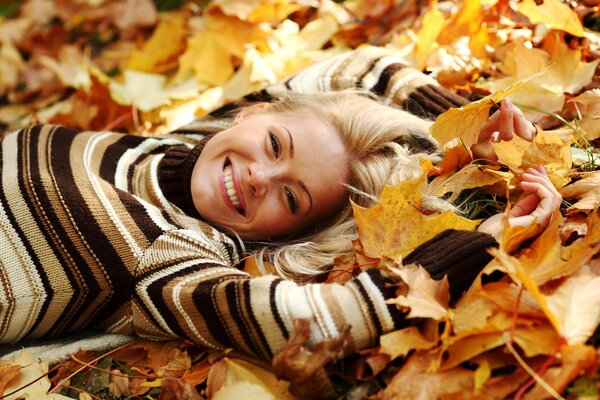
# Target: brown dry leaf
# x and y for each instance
(554, 13)
(588, 105)
(8, 372)
(415, 381)
(586, 190)
(401, 342)
(177, 389)
(30, 372)
(390, 228)
(466, 122)
(303, 366)
(160, 52)
(426, 298)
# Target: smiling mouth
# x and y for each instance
(230, 187)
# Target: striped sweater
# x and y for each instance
(93, 235)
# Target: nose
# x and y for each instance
(260, 177)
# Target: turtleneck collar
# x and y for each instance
(175, 175)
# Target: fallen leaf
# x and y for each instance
(129, 14)
(471, 176)
(565, 72)
(465, 122)
(586, 190)
(177, 389)
(8, 372)
(161, 51)
(388, 229)
(588, 106)
(415, 381)
(234, 376)
(554, 13)
(401, 342)
(11, 65)
(466, 22)
(552, 150)
(426, 298)
(431, 26)
(303, 366)
(28, 382)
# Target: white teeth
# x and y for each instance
(230, 189)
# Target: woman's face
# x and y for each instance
(271, 175)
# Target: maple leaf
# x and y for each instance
(554, 13)
(11, 66)
(426, 298)
(303, 365)
(178, 389)
(28, 381)
(565, 73)
(236, 378)
(390, 228)
(415, 381)
(588, 106)
(8, 372)
(586, 190)
(465, 122)
(401, 342)
(161, 51)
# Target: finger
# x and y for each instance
(489, 128)
(523, 128)
(525, 206)
(505, 123)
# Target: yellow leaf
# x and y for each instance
(209, 61)
(401, 342)
(163, 47)
(553, 151)
(426, 298)
(471, 176)
(586, 190)
(482, 374)
(466, 122)
(588, 104)
(510, 152)
(236, 378)
(431, 26)
(396, 226)
(465, 23)
(555, 13)
(11, 65)
(566, 73)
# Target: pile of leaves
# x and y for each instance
(528, 326)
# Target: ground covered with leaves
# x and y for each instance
(528, 326)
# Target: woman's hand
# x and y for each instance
(539, 201)
(505, 123)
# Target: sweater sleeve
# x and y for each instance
(459, 255)
(201, 298)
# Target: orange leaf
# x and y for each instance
(401, 342)
(8, 372)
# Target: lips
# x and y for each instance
(231, 188)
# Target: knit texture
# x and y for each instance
(459, 255)
(89, 239)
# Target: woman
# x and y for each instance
(143, 235)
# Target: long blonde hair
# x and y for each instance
(384, 144)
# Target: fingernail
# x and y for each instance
(507, 104)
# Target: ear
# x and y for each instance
(249, 110)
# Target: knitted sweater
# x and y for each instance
(97, 230)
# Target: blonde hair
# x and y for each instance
(384, 144)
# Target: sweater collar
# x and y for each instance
(175, 175)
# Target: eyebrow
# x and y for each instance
(302, 185)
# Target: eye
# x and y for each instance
(292, 201)
(275, 144)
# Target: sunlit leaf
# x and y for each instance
(555, 13)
